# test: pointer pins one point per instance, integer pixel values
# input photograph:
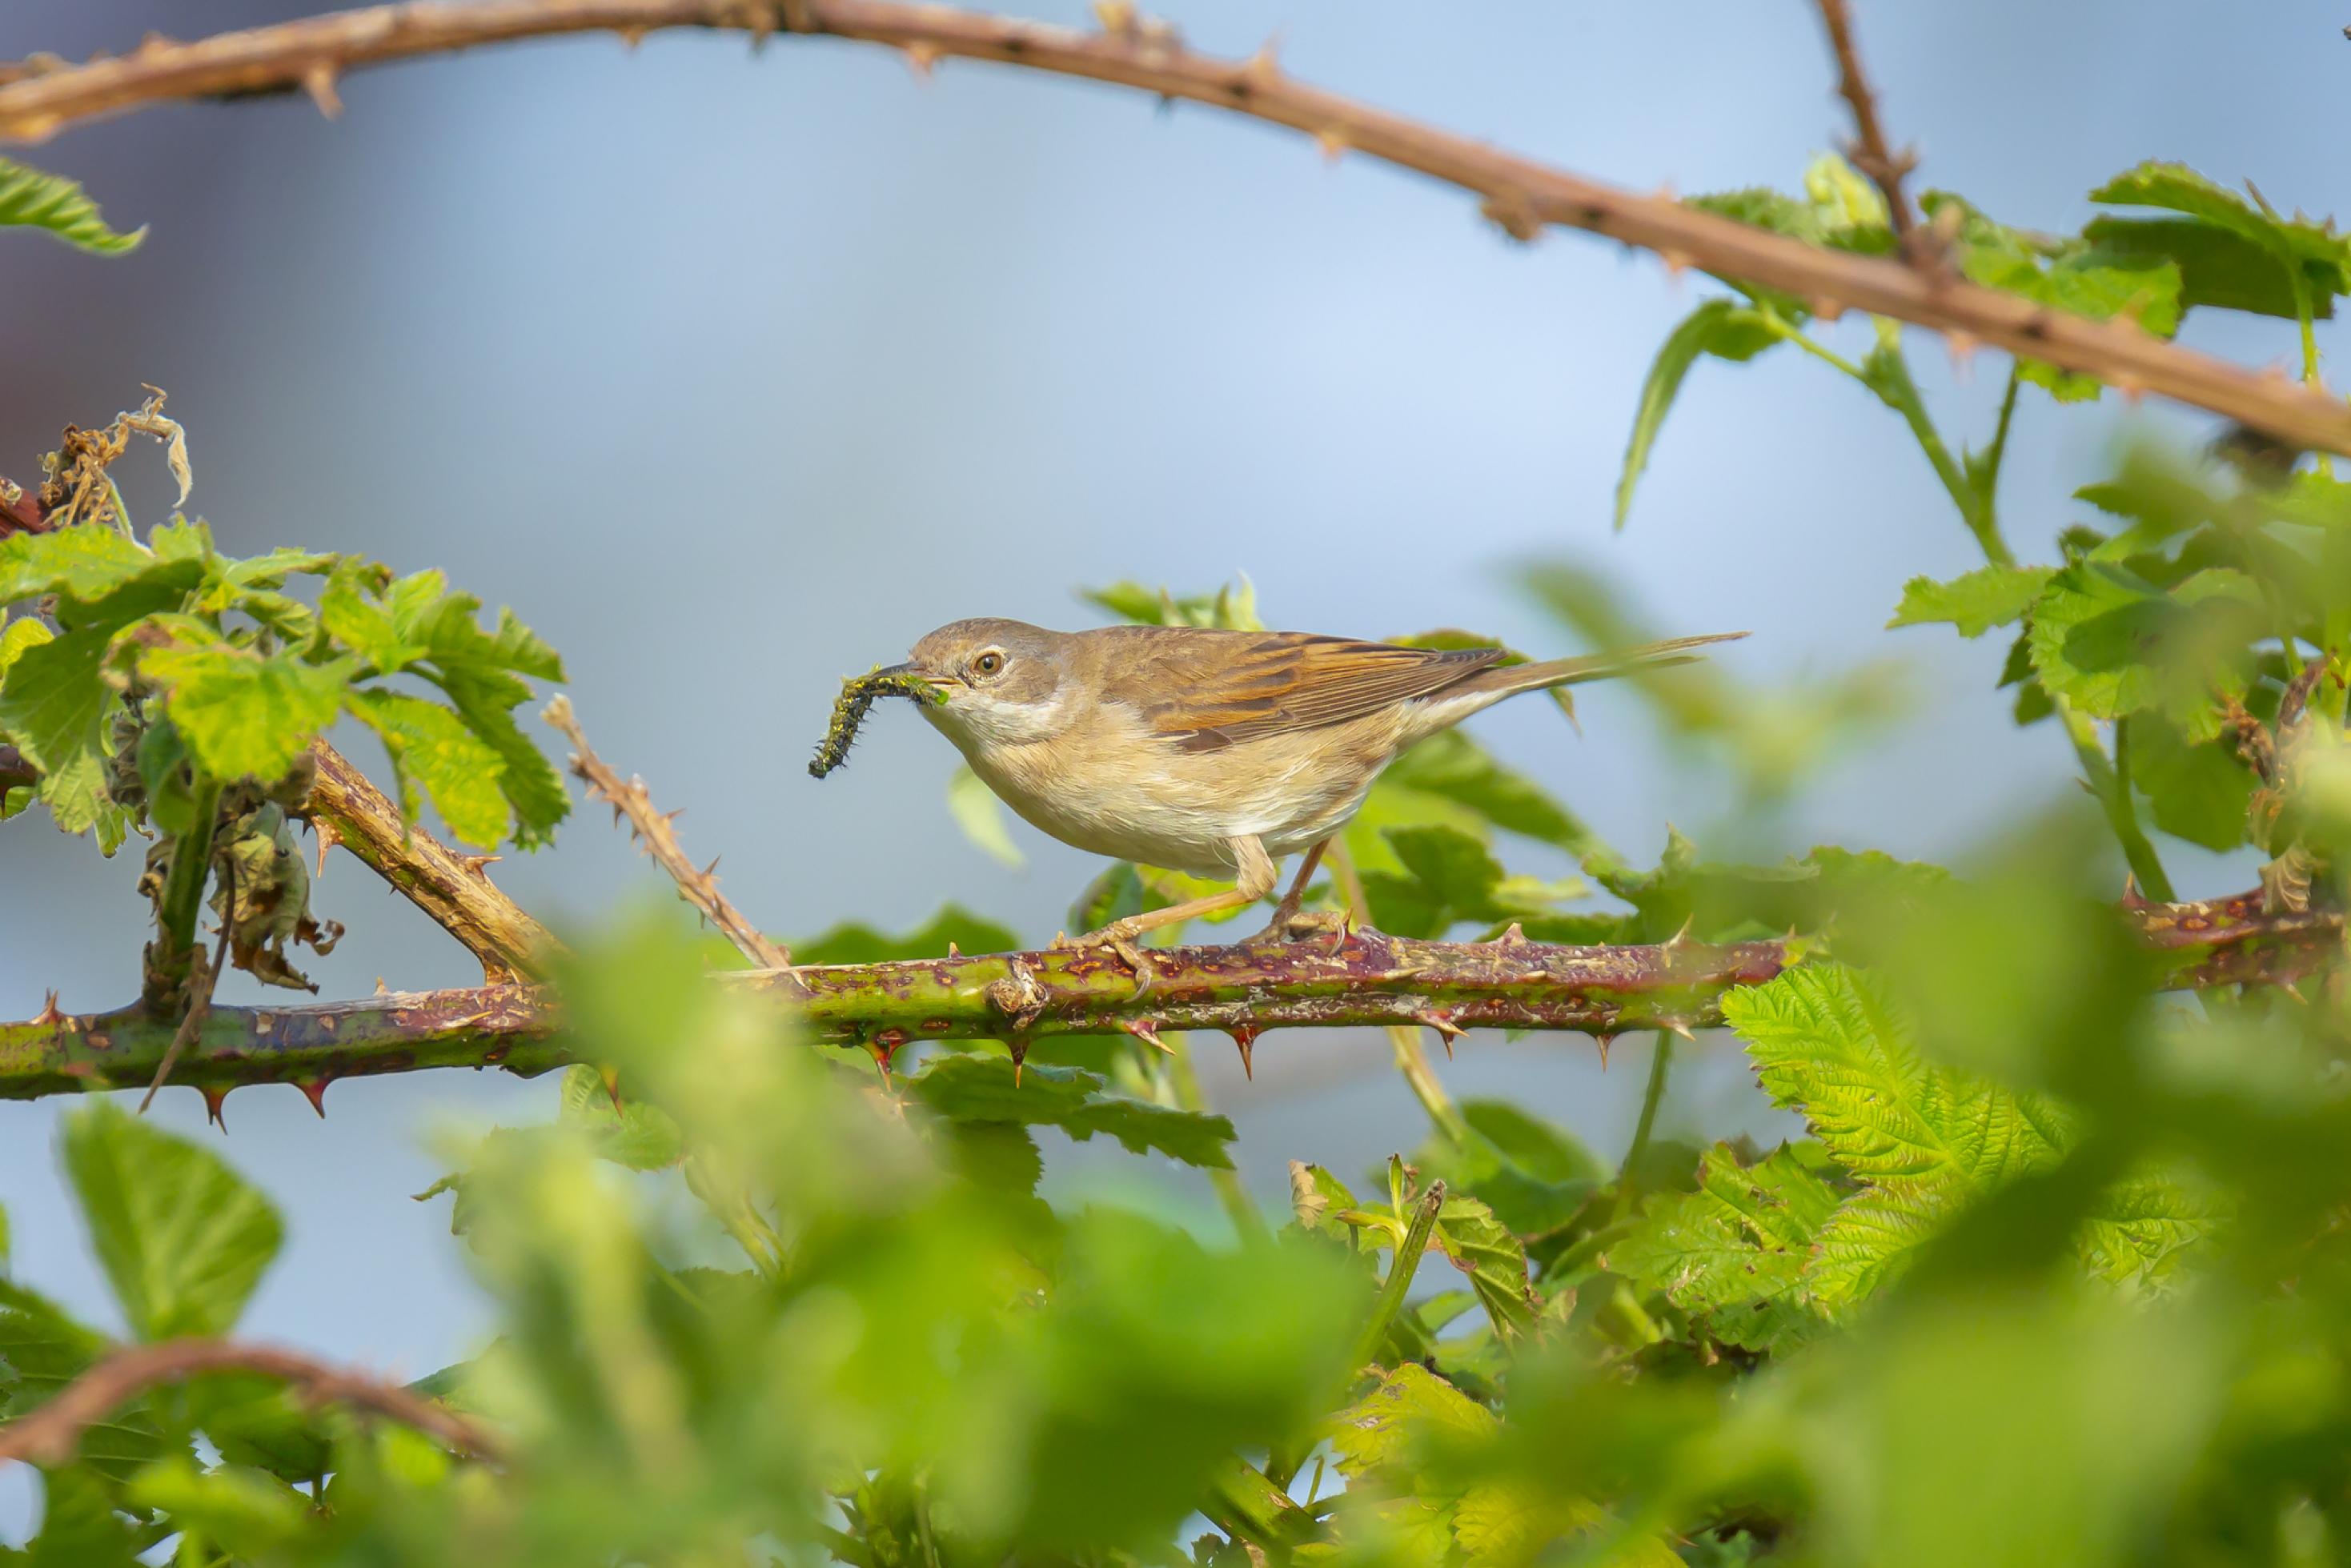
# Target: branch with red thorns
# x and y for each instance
(1246, 990)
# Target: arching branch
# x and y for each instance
(1519, 194)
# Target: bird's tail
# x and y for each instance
(1505, 681)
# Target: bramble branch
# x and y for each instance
(49, 1434)
(1869, 151)
(1522, 195)
(453, 889)
(655, 835)
(1244, 990)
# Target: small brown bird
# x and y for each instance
(1212, 752)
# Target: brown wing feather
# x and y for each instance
(1205, 690)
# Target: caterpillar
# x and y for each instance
(858, 695)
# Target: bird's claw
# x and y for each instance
(1119, 941)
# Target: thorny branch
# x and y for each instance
(453, 889)
(1869, 151)
(654, 834)
(1244, 990)
(1523, 196)
(49, 1434)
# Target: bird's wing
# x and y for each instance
(1205, 690)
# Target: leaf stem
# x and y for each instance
(1890, 378)
(1248, 1220)
(1660, 1064)
(1401, 1268)
(183, 896)
(2110, 782)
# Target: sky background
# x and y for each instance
(735, 375)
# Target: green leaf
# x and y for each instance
(966, 1087)
(1233, 606)
(980, 815)
(2201, 792)
(181, 1238)
(1454, 768)
(79, 1526)
(640, 1136)
(1732, 1254)
(1975, 602)
(42, 1348)
(1718, 327)
(1317, 1198)
(30, 198)
(86, 562)
(1926, 1139)
(2064, 275)
(18, 635)
(1411, 1407)
(249, 1511)
(243, 714)
(1482, 1247)
(429, 745)
(2112, 643)
(952, 926)
(2230, 252)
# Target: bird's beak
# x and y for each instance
(939, 683)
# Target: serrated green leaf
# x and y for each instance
(429, 746)
(362, 623)
(2230, 252)
(1733, 1254)
(86, 562)
(2110, 643)
(42, 1348)
(980, 815)
(966, 1087)
(534, 790)
(245, 1509)
(1975, 602)
(182, 1239)
(1408, 1409)
(79, 1525)
(243, 714)
(637, 1135)
(1718, 327)
(2201, 792)
(1317, 1198)
(30, 198)
(1482, 1247)
(18, 635)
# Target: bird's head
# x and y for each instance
(1001, 683)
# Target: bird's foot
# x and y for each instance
(1116, 937)
(1292, 924)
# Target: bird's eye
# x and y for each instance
(987, 664)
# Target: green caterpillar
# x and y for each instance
(858, 695)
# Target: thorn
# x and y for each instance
(1681, 937)
(612, 1077)
(1827, 310)
(1680, 1027)
(1446, 1029)
(49, 1017)
(1147, 1031)
(1116, 16)
(316, 1088)
(214, 1098)
(712, 866)
(1513, 936)
(1017, 1042)
(329, 837)
(882, 1053)
(474, 864)
(1513, 218)
(1245, 1036)
(2134, 390)
(1333, 143)
(1604, 1041)
(953, 951)
(1675, 263)
(381, 989)
(920, 58)
(633, 37)
(318, 81)
(1961, 346)
(1264, 68)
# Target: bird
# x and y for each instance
(1207, 750)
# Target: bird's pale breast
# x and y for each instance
(1110, 786)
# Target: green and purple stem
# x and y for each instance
(1243, 990)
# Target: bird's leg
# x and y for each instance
(1256, 880)
(1286, 919)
